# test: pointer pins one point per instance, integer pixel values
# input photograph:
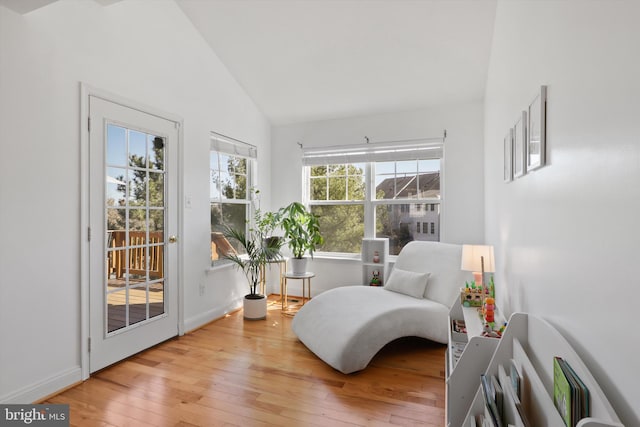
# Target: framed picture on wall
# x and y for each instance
(508, 156)
(520, 146)
(536, 129)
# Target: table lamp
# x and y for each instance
(478, 259)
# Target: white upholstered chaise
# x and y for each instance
(347, 326)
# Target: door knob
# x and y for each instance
(173, 239)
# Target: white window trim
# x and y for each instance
(234, 147)
(369, 154)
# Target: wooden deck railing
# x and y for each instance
(139, 260)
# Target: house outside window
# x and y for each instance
(378, 194)
(232, 164)
(401, 187)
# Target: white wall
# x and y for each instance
(566, 235)
(463, 213)
(145, 51)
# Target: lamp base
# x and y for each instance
(477, 277)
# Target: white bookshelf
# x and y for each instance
(369, 247)
(463, 369)
(532, 343)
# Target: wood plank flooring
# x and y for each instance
(233, 372)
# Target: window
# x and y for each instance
(410, 182)
(338, 193)
(378, 192)
(231, 172)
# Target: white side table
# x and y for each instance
(306, 285)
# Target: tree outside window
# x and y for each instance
(230, 200)
(338, 194)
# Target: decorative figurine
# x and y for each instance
(375, 280)
(489, 310)
(470, 295)
(376, 257)
(488, 332)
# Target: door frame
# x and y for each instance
(85, 92)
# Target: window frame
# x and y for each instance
(230, 147)
(371, 203)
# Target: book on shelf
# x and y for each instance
(570, 395)
(584, 392)
(491, 408)
(497, 393)
(513, 413)
(515, 374)
(562, 393)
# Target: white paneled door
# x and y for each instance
(133, 231)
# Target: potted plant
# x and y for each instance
(266, 223)
(258, 253)
(301, 233)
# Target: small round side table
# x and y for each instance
(306, 285)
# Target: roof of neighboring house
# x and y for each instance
(407, 186)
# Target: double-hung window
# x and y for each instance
(337, 196)
(232, 165)
(375, 190)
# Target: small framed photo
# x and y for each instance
(536, 130)
(508, 156)
(520, 146)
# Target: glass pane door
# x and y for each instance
(135, 222)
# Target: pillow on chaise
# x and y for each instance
(407, 282)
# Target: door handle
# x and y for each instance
(173, 239)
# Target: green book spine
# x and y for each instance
(562, 393)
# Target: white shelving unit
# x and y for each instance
(532, 343)
(369, 247)
(463, 368)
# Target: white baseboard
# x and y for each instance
(208, 316)
(34, 392)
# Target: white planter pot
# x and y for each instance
(255, 308)
(298, 266)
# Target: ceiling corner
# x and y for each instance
(22, 7)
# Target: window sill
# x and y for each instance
(346, 257)
(214, 268)
(324, 256)
(336, 256)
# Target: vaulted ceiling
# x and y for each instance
(26, 6)
(307, 60)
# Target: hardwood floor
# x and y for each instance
(233, 372)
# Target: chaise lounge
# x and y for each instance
(347, 326)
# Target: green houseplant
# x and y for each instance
(266, 222)
(258, 252)
(301, 233)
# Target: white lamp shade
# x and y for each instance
(471, 256)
